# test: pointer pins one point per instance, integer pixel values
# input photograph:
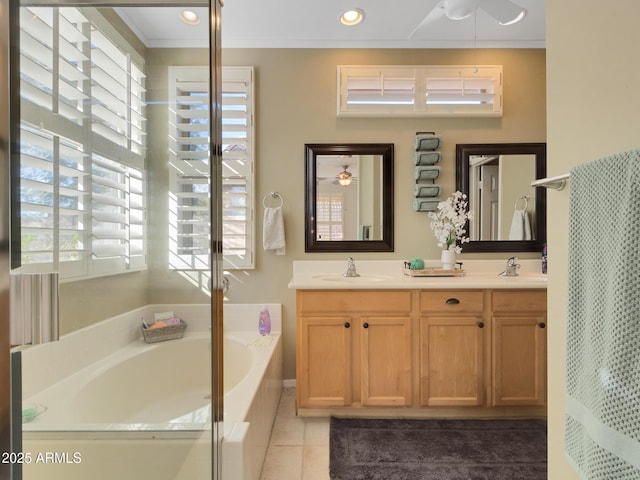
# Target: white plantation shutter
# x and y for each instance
(189, 132)
(329, 217)
(237, 167)
(117, 216)
(52, 202)
(82, 94)
(428, 90)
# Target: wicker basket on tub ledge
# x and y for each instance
(162, 334)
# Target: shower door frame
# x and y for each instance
(5, 372)
(10, 396)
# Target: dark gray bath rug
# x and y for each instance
(402, 449)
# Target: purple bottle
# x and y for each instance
(264, 321)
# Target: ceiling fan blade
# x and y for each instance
(436, 14)
(460, 9)
(504, 11)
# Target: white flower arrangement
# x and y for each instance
(449, 221)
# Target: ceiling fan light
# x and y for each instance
(352, 17)
(344, 178)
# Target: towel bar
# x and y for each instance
(557, 183)
(272, 195)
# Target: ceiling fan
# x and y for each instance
(344, 178)
(505, 12)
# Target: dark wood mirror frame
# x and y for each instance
(464, 151)
(312, 151)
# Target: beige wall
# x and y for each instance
(592, 110)
(296, 104)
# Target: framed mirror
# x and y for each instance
(349, 197)
(509, 215)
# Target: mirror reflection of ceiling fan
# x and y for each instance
(505, 12)
(344, 178)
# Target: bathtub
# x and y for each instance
(143, 410)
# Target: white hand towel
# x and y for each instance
(273, 230)
(520, 226)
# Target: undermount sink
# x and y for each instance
(364, 278)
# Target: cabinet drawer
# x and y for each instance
(454, 301)
(519, 301)
(366, 301)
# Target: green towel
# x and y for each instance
(602, 429)
(426, 173)
(426, 158)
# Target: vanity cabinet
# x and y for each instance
(460, 352)
(354, 348)
(453, 341)
(519, 348)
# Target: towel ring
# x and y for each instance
(525, 198)
(272, 195)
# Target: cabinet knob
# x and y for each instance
(542, 325)
(480, 324)
(365, 325)
(347, 324)
(452, 301)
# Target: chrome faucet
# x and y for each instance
(351, 269)
(512, 267)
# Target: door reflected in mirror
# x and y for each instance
(499, 197)
(349, 197)
(508, 214)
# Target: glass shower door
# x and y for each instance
(116, 190)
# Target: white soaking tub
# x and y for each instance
(143, 411)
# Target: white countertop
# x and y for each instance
(388, 274)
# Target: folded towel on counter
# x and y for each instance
(426, 141)
(426, 158)
(273, 230)
(602, 434)
(426, 173)
(425, 204)
(422, 191)
(520, 226)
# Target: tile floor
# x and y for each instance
(299, 447)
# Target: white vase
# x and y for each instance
(448, 259)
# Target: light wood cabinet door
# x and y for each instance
(519, 360)
(324, 361)
(385, 361)
(452, 363)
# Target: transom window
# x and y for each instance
(428, 90)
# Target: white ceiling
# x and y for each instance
(315, 24)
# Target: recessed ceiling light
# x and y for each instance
(352, 17)
(189, 17)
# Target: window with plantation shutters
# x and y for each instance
(189, 133)
(82, 145)
(329, 217)
(420, 91)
